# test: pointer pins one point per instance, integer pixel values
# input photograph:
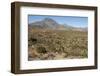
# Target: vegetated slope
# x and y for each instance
(57, 44)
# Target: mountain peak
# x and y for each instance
(49, 23)
(45, 23)
(48, 19)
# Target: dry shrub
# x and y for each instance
(51, 44)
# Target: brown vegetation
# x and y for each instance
(44, 44)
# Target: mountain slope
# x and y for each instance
(46, 23)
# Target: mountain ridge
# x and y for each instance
(48, 23)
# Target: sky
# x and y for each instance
(69, 20)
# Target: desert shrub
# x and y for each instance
(84, 53)
(41, 49)
(33, 40)
(70, 43)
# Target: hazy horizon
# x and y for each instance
(73, 21)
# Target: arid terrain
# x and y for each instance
(49, 40)
(57, 44)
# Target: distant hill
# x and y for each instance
(46, 23)
(49, 23)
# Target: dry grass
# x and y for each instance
(57, 44)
